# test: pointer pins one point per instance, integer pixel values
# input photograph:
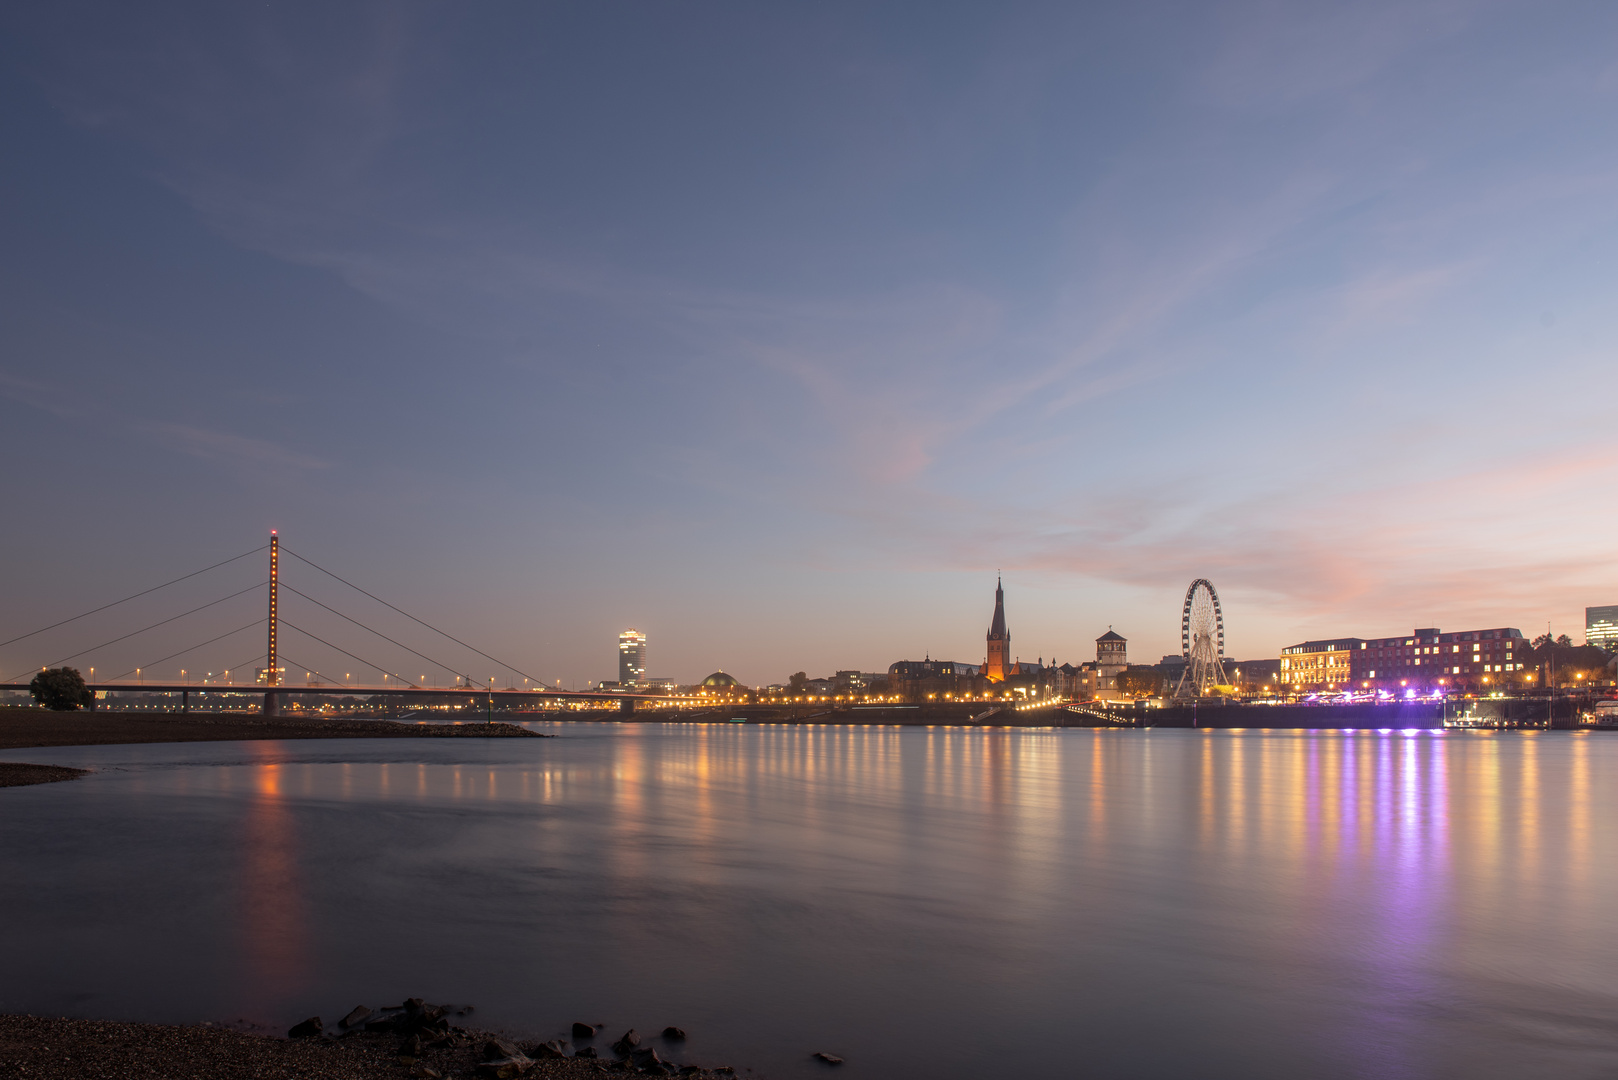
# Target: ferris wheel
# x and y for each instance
(1202, 642)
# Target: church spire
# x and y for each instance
(996, 668)
(997, 627)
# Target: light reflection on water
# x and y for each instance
(924, 901)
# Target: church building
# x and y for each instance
(998, 664)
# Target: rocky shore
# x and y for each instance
(35, 727)
(413, 1039)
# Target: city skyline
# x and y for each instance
(800, 323)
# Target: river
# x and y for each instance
(938, 902)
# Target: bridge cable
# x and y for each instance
(229, 688)
(412, 618)
(126, 599)
(348, 654)
(194, 648)
(380, 634)
(309, 669)
(250, 688)
(154, 626)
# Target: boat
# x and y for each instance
(1604, 715)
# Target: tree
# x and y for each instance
(62, 689)
(1140, 681)
(1541, 641)
(799, 682)
(1564, 640)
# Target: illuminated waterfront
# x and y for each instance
(935, 901)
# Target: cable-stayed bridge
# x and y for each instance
(357, 658)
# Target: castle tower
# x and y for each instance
(998, 664)
(1112, 657)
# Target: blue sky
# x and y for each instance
(777, 330)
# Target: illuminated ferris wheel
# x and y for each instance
(1202, 642)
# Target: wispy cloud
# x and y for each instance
(213, 445)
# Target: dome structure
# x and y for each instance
(719, 681)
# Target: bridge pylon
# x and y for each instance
(272, 701)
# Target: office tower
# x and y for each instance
(631, 657)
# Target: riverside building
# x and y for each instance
(1312, 666)
(1427, 659)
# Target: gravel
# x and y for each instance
(55, 1048)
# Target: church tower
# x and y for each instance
(999, 662)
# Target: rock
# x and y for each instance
(308, 1029)
(673, 1033)
(499, 1049)
(355, 1018)
(412, 1005)
(829, 1059)
(586, 1052)
(507, 1068)
(551, 1049)
(583, 1031)
(690, 1070)
(411, 1047)
(426, 1071)
(723, 1070)
(644, 1056)
(626, 1044)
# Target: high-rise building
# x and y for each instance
(631, 657)
(998, 664)
(1601, 626)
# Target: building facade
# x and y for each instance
(1601, 627)
(917, 680)
(1427, 659)
(1312, 666)
(631, 657)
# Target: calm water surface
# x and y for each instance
(925, 902)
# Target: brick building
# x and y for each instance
(1426, 659)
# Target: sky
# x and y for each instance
(778, 331)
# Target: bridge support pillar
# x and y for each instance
(185, 701)
(626, 705)
(272, 704)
